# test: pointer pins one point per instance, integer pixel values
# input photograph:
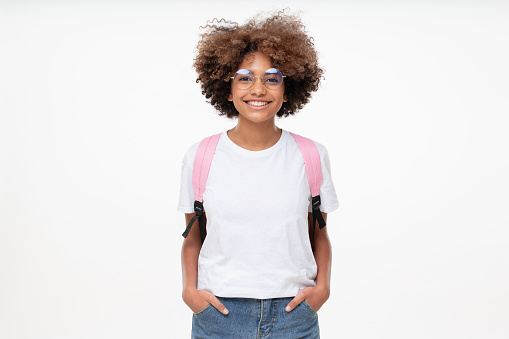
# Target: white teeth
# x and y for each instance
(257, 103)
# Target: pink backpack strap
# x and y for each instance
(314, 173)
(201, 167)
(311, 161)
(202, 162)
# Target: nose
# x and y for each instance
(258, 86)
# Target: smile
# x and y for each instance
(257, 103)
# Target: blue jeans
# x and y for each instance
(256, 318)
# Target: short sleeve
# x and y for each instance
(328, 197)
(186, 198)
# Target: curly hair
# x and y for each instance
(282, 37)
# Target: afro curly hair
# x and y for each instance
(282, 37)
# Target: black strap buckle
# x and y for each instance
(317, 216)
(198, 208)
(316, 202)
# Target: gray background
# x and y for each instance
(98, 104)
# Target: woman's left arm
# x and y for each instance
(322, 250)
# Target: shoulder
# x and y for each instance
(191, 150)
(322, 150)
(191, 153)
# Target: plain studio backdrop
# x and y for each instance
(99, 104)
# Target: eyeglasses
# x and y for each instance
(244, 79)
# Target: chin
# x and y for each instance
(257, 117)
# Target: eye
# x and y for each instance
(244, 78)
(274, 80)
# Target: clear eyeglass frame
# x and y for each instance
(265, 77)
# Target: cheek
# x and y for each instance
(232, 94)
(283, 95)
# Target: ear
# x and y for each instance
(230, 97)
(284, 98)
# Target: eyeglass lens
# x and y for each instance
(244, 79)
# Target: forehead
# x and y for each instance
(256, 62)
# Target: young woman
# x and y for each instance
(259, 273)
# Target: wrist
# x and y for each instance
(186, 291)
(324, 290)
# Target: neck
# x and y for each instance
(255, 136)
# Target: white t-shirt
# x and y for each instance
(257, 205)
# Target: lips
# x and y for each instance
(257, 103)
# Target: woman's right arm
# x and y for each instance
(196, 299)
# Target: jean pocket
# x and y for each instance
(202, 312)
(311, 309)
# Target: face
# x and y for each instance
(248, 101)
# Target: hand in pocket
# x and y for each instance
(198, 300)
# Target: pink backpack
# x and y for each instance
(201, 168)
